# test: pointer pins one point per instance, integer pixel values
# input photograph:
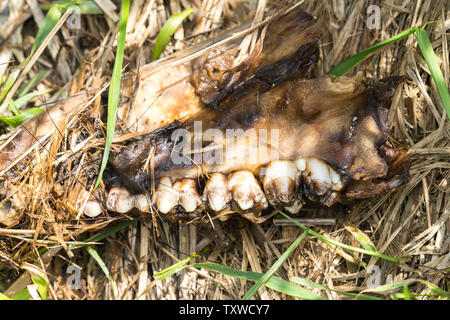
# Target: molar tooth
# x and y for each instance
(189, 198)
(119, 200)
(216, 192)
(279, 181)
(246, 191)
(319, 175)
(166, 196)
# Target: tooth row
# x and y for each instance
(241, 187)
(239, 191)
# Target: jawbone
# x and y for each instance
(215, 138)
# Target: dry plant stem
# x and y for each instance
(33, 59)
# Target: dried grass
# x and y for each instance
(412, 220)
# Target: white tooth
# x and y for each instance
(93, 208)
(8, 214)
(216, 192)
(279, 181)
(319, 174)
(119, 200)
(166, 196)
(246, 191)
(281, 168)
(189, 198)
(301, 164)
(335, 180)
(141, 203)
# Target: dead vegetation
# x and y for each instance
(411, 221)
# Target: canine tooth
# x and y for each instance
(279, 181)
(119, 200)
(166, 196)
(93, 208)
(319, 175)
(301, 164)
(216, 192)
(246, 191)
(189, 198)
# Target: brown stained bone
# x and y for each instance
(32, 130)
(342, 122)
(288, 48)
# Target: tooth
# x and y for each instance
(8, 214)
(141, 203)
(93, 208)
(189, 198)
(279, 181)
(216, 192)
(301, 164)
(119, 200)
(246, 191)
(295, 206)
(319, 174)
(166, 196)
(335, 180)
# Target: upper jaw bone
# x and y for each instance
(245, 191)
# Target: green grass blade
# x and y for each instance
(41, 287)
(315, 285)
(30, 84)
(273, 282)
(114, 90)
(4, 297)
(361, 237)
(347, 64)
(339, 244)
(167, 31)
(104, 268)
(261, 281)
(438, 291)
(22, 295)
(8, 83)
(174, 268)
(85, 7)
(20, 118)
(430, 58)
(51, 19)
